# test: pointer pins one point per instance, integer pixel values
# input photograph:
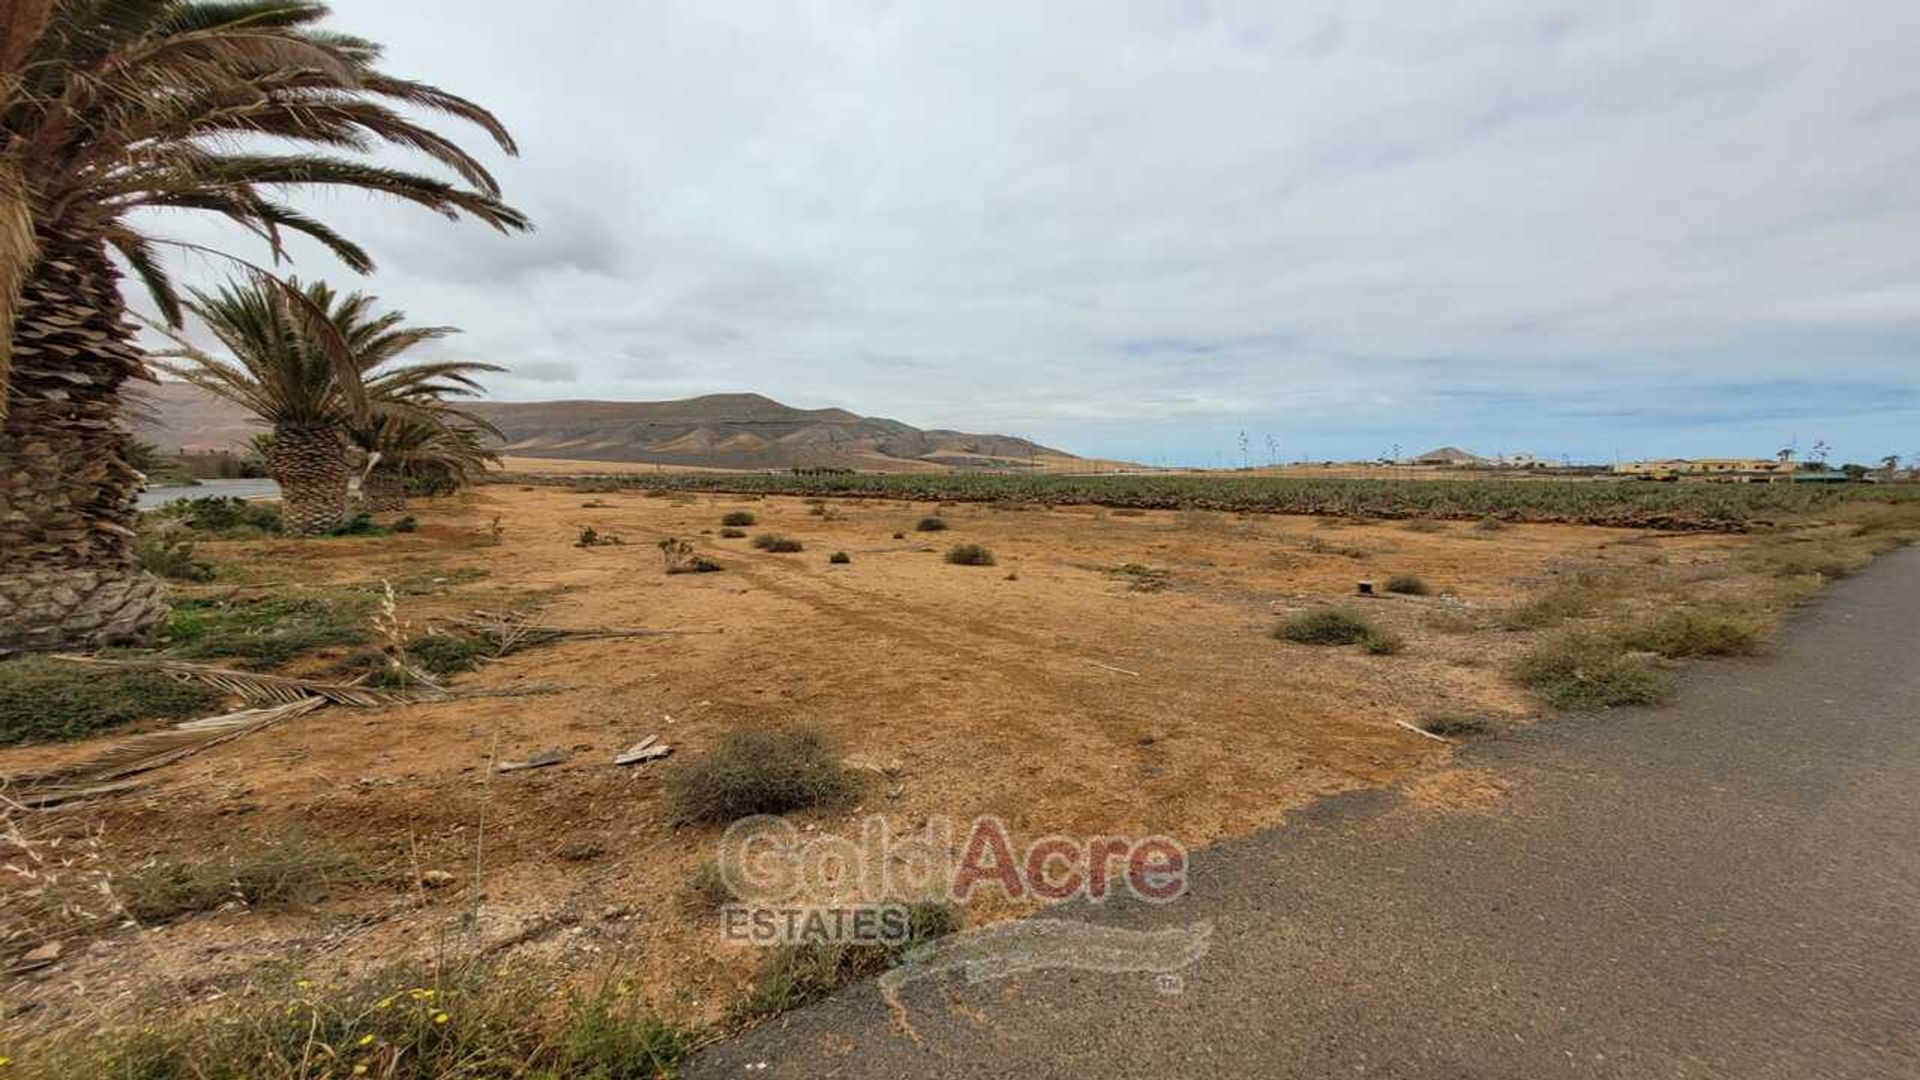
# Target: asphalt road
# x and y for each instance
(1728, 886)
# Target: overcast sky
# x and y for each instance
(1137, 229)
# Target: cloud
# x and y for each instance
(1136, 229)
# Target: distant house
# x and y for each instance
(1729, 468)
(1449, 455)
(1522, 460)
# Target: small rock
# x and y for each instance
(45, 954)
(436, 879)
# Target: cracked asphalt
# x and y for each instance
(1727, 886)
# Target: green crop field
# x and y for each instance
(1640, 504)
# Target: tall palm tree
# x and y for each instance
(439, 453)
(108, 107)
(285, 374)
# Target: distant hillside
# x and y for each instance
(179, 416)
(738, 431)
(745, 431)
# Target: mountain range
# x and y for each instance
(729, 431)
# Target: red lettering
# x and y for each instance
(1099, 850)
(1045, 851)
(1004, 870)
(1163, 880)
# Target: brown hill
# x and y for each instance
(738, 431)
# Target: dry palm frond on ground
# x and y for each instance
(268, 689)
(511, 631)
(107, 771)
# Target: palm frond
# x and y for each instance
(144, 753)
(264, 689)
(140, 256)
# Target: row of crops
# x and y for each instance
(1641, 504)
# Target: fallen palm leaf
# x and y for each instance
(107, 771)
(511, 631)
(267, 689)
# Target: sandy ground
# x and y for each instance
(1044, 689)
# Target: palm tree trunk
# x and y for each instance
(312, 466)
(69, 568)
(384, 492)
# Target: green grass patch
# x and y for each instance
(172, 558)
(796, 975)
(43, 700)
(759, 770)
(448, 654)
(288, 870)
(408, 1022)
(1590, 669)
(1453, 724)
(267, 631)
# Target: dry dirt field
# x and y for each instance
(1050, 689)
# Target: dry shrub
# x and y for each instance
(776, 543)
(1689, 632)
(1408, 585)
(759, 770)
(1590, 670)
(1586, 595)
(740, 518)
(969, 555)
(1326, 626)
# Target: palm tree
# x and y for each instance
(437, 454)
(285, 374)
(108, 107)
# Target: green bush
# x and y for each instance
(759, 770)
(1590, 670)
(840, 558)
(43, 700)
(358, 524)
(172, 558)
(795, 975)
(1409, 585)
(406, 524)
(776, 543)
(732, 534)
(969, 555)
(223, 516)
(740, 518)
(930, 524)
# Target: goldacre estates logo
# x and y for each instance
(792, 888)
